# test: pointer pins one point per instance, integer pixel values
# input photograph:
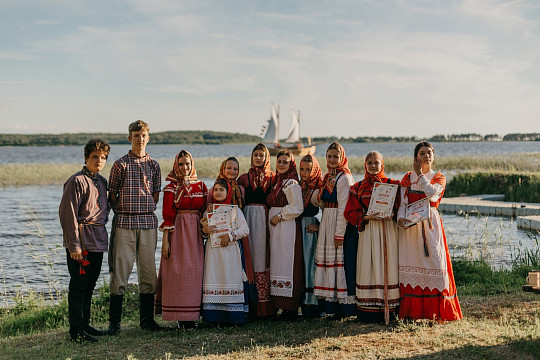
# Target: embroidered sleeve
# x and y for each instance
(432, 190)
(295, 206)
(315, 198)
(242, 229)
(169, 210)
(205, 196)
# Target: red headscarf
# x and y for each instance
(370, 179)
(179, 181)
(291, 173)
(314, 181)
(226, 184)
(233, 188)
(329, 181)
(261, 176)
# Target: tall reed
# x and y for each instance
(208, 168)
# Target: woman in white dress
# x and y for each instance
(377, 275)
(285, 201)
(427, 286)
(336, 247)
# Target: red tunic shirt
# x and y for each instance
(194, 199)
(358, 204)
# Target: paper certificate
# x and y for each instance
(417, 211)
(382, 199)
(224, 220)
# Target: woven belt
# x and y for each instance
(187, 211)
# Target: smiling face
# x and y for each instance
(425, 156)
(95, 161)
(219, 192)
(305, 170)
(231, 170)
(258, 157)
(374, 164)
(332, 158)
(282, 164)
(184, 165)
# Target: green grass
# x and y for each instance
(32, 312)
(516, 186)
(504, 326)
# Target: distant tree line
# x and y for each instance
(215, 137)
(435, 138)
(167, 137)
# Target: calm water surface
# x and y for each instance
(73, 154)
(32, 256)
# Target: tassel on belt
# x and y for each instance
(330, 205)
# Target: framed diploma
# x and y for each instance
(224, 220)
(382, 199)
(417, 211)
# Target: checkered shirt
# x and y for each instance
(134, 179)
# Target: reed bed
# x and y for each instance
(519, 186)
(208, 168)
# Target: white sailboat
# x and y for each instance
(293, 142)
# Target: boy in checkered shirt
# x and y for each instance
(134, 186)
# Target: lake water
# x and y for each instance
(74, 154)
(31, 252)
(32, 256)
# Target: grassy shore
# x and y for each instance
(506, 326)
(48, 174)
(500, 322)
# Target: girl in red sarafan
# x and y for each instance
(427, 286)
(182, 255)
(377, 275)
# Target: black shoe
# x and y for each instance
(289, 315)
(82, 336)
(93, 331)
(186, 325)
(151, 325)
(114, 329)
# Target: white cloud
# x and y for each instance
(414, 65)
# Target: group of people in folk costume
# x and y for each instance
(278, 258)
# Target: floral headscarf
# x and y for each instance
(370, 179)
(314, 181)
(291, 173)
(329, 181)
(180, 181)
(261, 176)
(233, 189)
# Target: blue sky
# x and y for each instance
(353, 68)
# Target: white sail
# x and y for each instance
(272, 130)
(294, 133)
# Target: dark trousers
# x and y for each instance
(80, 290)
